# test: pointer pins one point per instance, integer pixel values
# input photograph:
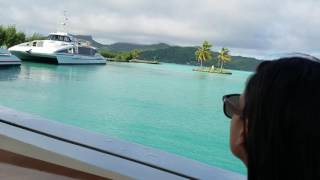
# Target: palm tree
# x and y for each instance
(135, 53)
(203, 53)
(223, 57)
(2, 35)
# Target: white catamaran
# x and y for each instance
(59, 48)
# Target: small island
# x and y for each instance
(133, 61)
(204, 53)
(144, 61)
(131, 57)
(211, 70)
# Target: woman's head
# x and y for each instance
(279, 134)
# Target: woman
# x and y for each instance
(275, 128)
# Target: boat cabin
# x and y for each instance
(60, 37)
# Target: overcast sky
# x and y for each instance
(247, 27)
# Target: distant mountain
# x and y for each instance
(186, 55)
(173, 54)
(90, 39)
(123, 47)
(243, 63)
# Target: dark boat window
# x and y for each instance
(67, 39)
(61, 38)
(63, 51)
(53, 37)
(94, 51)
(86, 51)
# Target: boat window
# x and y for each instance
(63, 51)
(39, 43)
(53, 37)
(61, 38)
(67, 39)
(93, 51)
(86, 51)
(34, 43)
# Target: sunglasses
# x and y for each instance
(231, 105)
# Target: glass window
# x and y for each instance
(63, 51)
(66, 39)
(53, 37)
(84, 51)
(61, 38)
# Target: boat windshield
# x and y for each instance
(86, 51)
(59, 38)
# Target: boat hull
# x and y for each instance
(35, 57)
(65, 58)
(7, 59)
(10, 62)
(59, 58)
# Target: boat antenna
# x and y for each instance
(64, 22)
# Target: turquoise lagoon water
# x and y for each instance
(165, 106)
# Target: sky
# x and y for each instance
(260, 28)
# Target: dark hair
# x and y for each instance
(282, 112)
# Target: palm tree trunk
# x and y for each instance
(201, 63)
(221, 66)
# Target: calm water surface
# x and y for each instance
(165, 106)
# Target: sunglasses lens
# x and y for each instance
(227, 111)
(231, 103)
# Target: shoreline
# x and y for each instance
(211, 70)
(133, 61)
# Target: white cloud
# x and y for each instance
(266, 26)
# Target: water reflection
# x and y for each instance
(49, 72)
(9, 73)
